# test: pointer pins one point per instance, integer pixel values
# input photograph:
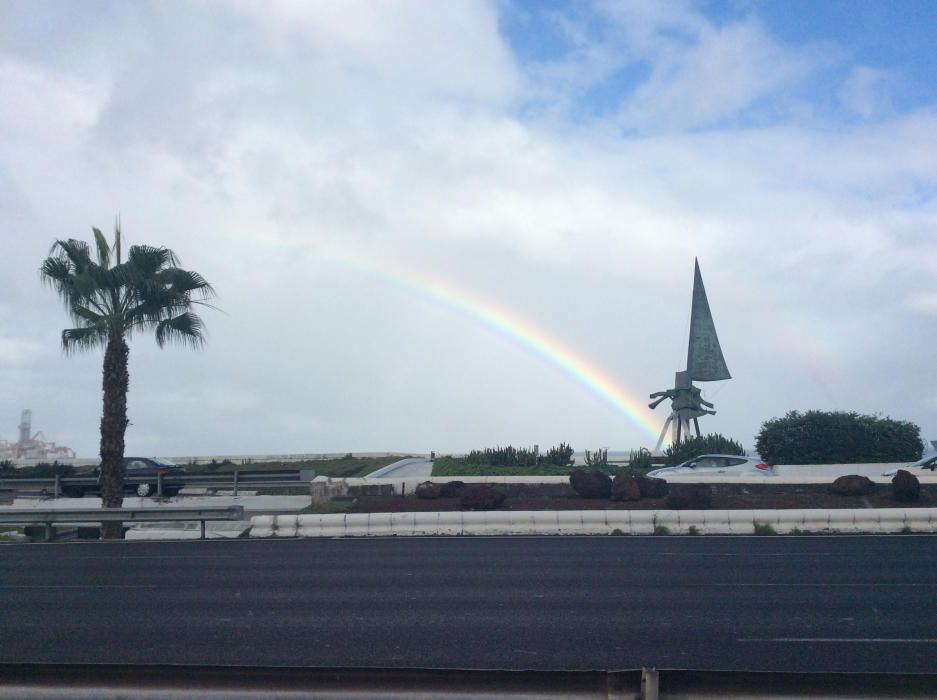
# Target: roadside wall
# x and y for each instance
(596, 522)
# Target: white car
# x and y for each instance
(924, 466)
(718, 465)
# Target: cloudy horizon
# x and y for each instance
(446, 226)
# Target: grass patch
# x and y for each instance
(661, 530)
(693, 530)
(460, 466)
(764, 529)
(328, 507)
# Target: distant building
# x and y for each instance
(33, 447)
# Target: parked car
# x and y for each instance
(924, 466)
(718, 465)
(149, 468)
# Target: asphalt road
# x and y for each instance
(797, 604)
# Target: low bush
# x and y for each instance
(44, 470)
(561, 455)
(640, 460)
(713, 443)
(764, 529)
(597, 459)
(460, 466)
(837, 437)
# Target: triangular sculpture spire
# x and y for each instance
(704, 360)
(704, 363)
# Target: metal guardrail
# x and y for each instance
(133, 682)
(57, 486)
(140, 515)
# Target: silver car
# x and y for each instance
(718, 465)
(924, 466)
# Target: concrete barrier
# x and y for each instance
(595, 522)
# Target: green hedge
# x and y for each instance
(461, 466)
(837, 437)
(712, 444)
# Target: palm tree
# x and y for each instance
(108, 299)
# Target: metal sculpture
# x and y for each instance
(704, 363)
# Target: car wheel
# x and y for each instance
(144, 490)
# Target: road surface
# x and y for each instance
(798, 604)
(412, 466)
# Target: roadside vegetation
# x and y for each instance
(712, 444)
(837, 437)
(346, 467)
(557, 461)
(461, 466)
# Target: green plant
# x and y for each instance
(640, 459)
(661, 530)
(597, 459)
(837, 437)
(561, 455)
(617, 532)
(461, 466)
(693, 530)
(906, 530)
(7, 467)
(713, 443)
(348, 456)
(764, 529)
(109, 299)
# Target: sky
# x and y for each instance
(453, 225)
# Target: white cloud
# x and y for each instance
(866, 92)
(257, 139)
(721, 73)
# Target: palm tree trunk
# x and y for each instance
(113, 427)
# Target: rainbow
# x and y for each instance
(508, 325)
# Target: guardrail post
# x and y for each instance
(55, 492)
(159, 484)
(650, 684)
(236, 472)
(203, 530)
(50, 532)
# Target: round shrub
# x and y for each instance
(837, 437)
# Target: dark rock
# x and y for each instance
(591, 484)
(852, 485)
(428, 490)
(689, 496)
(480, 497)
(625, 488)
(651, 486)
(905, 486)
(452, 489)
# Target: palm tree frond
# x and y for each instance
(186, 328)
(104, 248)
(77, 339)
(150, 259)
(182, 281)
